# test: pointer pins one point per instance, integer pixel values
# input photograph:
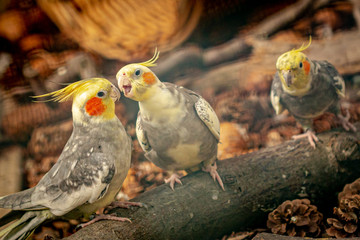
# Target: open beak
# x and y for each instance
(288, 77)
(125, 86)
(115, 93)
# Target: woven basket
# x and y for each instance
(126, 30)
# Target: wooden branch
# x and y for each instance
(193, 57)
(341, 50)
(232, 50)
(285, 17)
(255, 184)
(356, 12)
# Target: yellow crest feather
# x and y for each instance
(151, 62)
(302, 48)
(290, 59)
(65, 93)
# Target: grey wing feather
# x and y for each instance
(202, 108)
(74, 180)
(72, 184)
(275, 94)
(141, 135)
(333, 76)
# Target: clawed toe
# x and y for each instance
(345, 122)
(310, 135)
(172, 179)
(104, 217)
(212, 169)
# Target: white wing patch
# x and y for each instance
(275, 102)
(141, 136)
(340, 85)
(208, 116)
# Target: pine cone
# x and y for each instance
(350, 189)
(295, 218)
(346, 221)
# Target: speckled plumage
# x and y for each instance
(88, 174)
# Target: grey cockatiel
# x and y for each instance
(307, 88)
(90, 170)
(177, 128)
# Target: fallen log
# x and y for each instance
(255, 184)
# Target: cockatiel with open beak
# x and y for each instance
(176, 128)
(90, 170)
(307, 88)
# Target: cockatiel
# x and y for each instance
(90, 170)
(307, 88)
(176, 128)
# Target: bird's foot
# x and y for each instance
(345, 121)
(214, 174)
(172, 179)
(103, 217)
(121, 204)
(310, 135)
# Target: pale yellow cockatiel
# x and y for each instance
(176, 127)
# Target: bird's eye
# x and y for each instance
(301, 65)
(137, 72)
(101, 94)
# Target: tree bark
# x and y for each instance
(255, 184)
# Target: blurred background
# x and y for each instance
(223, 49)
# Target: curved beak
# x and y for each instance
(115, 93)
(125, 86)
(288, 77)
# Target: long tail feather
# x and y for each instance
(11, 216)
(25, 226)
(17, 201)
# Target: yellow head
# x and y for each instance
(136, 80)
(294, 71)
(93, 99)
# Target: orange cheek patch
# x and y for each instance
(95, 107)
(306, 67)
(149, 78)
